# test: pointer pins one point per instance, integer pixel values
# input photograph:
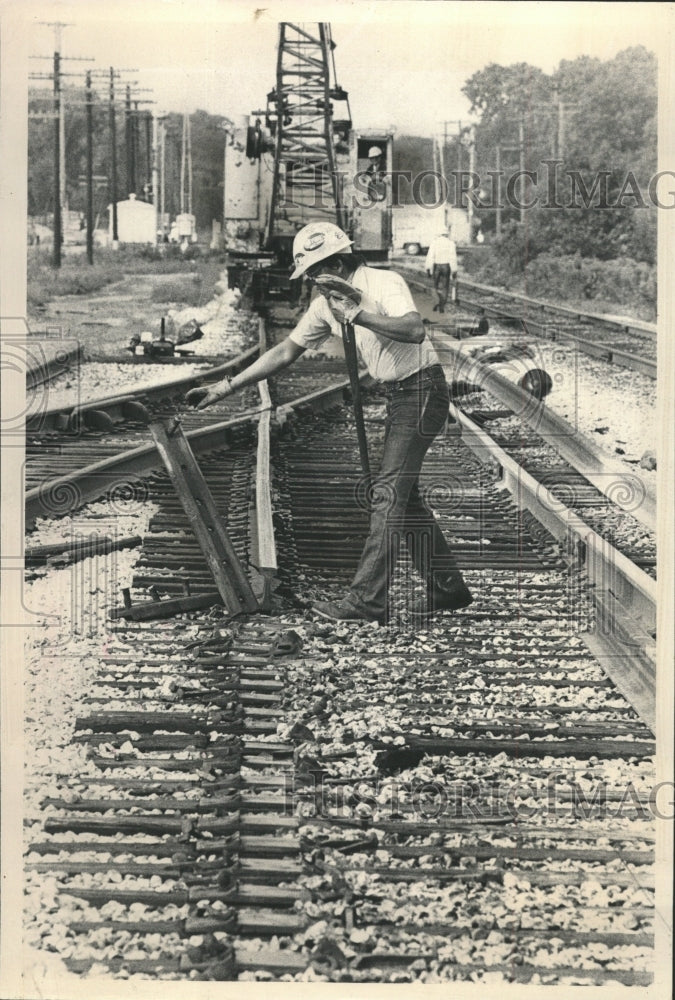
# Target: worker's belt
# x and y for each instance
(432, 372)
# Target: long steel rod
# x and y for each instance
(349, 342)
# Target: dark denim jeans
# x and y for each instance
(417, 409)
(442, 282)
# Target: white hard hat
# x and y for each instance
(316, 242)
(374, 151)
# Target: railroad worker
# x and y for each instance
(441, 262)
(481, 324)
(393, 344)
(376, 175)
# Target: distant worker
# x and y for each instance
(441, 262)
(376, 174)
(480, 238)
(393, 344)
(482, 326)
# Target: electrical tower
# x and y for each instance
(300, 115)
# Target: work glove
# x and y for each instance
(343, 309)
(204, 396)
(345, 301)
(330, 283)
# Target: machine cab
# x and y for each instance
(368, 192)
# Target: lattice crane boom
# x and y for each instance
(300, 114)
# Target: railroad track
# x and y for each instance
(47, 360)
(74, 455)
(629, 345)
(613, 501)
(278, 797)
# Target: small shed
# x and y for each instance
(136, 221)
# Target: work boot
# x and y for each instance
(449, 597)
(342, 611)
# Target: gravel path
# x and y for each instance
(227, 332)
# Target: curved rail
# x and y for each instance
(219, 698)
(125, 406)
(66, 493)
(47, 369)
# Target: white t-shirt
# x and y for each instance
(387, 360)
(442, 251)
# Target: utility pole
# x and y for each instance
(57, 113)
(113, 160)
(150, 143)
(444, 180)
(472, 170)
(521, 165)
(155, 170)
(183, 154)
(59, 144)
(136, 145)
(90, 172)
(58, 224)
(186, 168)
(162, 174)
(189, 160)
(129, 143)
(498, 219)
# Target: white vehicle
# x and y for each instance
(414, 226)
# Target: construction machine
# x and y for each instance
(299, 160)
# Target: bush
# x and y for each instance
(622, 284)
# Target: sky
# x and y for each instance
(403, 63)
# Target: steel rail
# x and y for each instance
(65, 493)
(626, 491)
(46, 371)
(123, 406)
(624, 595)
(639, 326)
(540, 328)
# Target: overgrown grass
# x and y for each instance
(197, 274)
(179, 289)
(74, 277)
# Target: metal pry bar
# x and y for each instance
(349, 341)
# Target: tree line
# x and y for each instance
(595, 122)
(593, 117)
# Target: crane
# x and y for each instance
(308, 135)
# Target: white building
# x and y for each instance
(136, 221)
